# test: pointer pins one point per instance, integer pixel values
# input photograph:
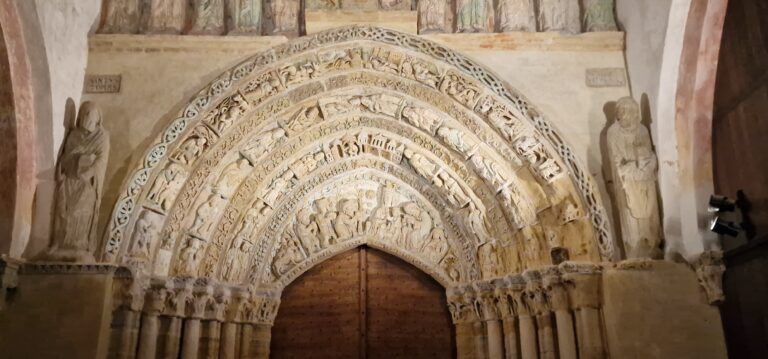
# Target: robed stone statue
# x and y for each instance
(634, 167)
(79, 187)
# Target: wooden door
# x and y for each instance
(363, 304)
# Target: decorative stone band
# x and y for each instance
(194, 298)
(569, 286)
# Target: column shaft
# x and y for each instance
(481, 342)
(228, 340)
(262, 337)
(495, 341)
(148, 336)
(210, 338)
(546, 337)
(124, 333)
(245, 342)
(172, 339)
(191, 343)
(590, 335)
(510, 338)
(528, 347)
(565, 336)
(465, 341)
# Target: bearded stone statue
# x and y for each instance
(634, 169)
(79, 187)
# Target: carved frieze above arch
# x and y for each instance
(252, 146)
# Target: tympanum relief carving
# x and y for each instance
(237, 167)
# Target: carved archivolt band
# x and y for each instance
(245, 142)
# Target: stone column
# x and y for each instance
(528, 346)
(259, 315)
(150, 324)
(129, 290)
(233, 314)
(486, 302)
(192, 325)
(262, 337)
(460, 314)
(506, 306)
(558, 299)
(246, 336)
(584, 293)
(537, 300)
(480, 338)
(175, 311)
(215, 313)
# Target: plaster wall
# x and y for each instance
(64, 28)
(160, 73)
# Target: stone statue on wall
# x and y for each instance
(599, 15)
(167, 185)
(559, 16)
(190, 256)
(166, 16)
(474, 16)
(634, 169)
(245, 17)
(79, 186)
(431, 16)
(142, 236)
(307, 231)
(516, 15)
(208, 18)
(285, 17)
(122, 17)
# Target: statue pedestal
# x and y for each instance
(657, 309)
(59, 309)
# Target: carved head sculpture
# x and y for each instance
(628, 113)
(304, 216)
(348, 207)
(89, 117)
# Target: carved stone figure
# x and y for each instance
(293, 74)
(456, 140)
(307, 231)
(345, 224)
(122, 17)
(287, 256)
(208, 17)
(167, 185)
(307, 164)
(166, 16)
(228, 112)
(516, 15)
(634, 169)
(489, 259)
(204, 215)
(245, 17)
(559, 16)
(190, 256)
(324, 219)
(271, 193)
(424, 167)
(431, 16)
(143, 233)
(415, 224)
(252, 219)
(474, 16)
(233, 262)
(377, 222)
(436, 245)
(262, 144)
(285, 17)
(191, 149)
(422, 118)
(231, 176)
(79, 186)
(457, 195)
(599, 15)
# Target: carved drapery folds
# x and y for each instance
(709, 271)
(277, 167)
(286, 17)
(539, 314)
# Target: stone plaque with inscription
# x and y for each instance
(606, 77)
(103, 83)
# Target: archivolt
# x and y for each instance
(485, 139)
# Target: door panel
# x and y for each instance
(363, 304)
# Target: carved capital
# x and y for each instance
(179, 294)
(534, 291)
(217, 306)
(555, 290)
(234, 310)
(485, 301)
(709, 270)
(156, 299)
(198, 302)
(129, 289)
(583, 282)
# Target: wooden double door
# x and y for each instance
(363, 304)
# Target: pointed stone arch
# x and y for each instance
(268, 132)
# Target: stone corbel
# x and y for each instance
(709, 270)
(9, 276)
